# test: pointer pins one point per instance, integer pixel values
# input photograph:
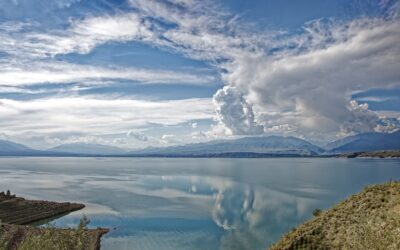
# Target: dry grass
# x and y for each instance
(368, 220)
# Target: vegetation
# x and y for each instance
(317, 212)
(368, 220)
(49, 238)
(375, 154)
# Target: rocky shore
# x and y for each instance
(17, 213)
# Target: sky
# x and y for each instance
(140, 73)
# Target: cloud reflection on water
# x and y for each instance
(184, 203)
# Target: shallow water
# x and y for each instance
(157, 203)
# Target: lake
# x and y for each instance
(159, 203)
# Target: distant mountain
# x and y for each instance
(270, 146)
(338, 143)
(248, 146)
(12, 148)
(366, 142)
(87, 149)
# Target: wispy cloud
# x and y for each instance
(28, 73)
(81, 37)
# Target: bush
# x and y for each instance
(317, 212)
(54, 238)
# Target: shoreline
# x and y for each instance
(18, 217)
(395, 154)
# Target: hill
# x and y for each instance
(8, 148)
(368, 220)
(366, 142)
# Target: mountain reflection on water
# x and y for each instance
(192, 203)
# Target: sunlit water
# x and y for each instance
(193, 203)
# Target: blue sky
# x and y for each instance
(136, 73)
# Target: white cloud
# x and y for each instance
(362, 120)
(202, 30)
(29, 73)
(194, 125)
(81, 37)
(306, 84)
(376, 98)
(138, 135)
(13, 26)
(84, 116)
(388, 125)
(168, 139)
(312, 88)
(56, 3)
(199, 135)
(86, 34)
(235, 112)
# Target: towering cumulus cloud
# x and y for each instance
(362, 120)
(235, 112)
(310, 87)
(299, 83)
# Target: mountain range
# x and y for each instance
(266, 146)
(88, 149)
(271, 145)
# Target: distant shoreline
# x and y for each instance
(245, 155)
(373, 154)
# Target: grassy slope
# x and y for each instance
(368, 220)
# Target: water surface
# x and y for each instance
(157, 203)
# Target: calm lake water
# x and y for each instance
(157, 203)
